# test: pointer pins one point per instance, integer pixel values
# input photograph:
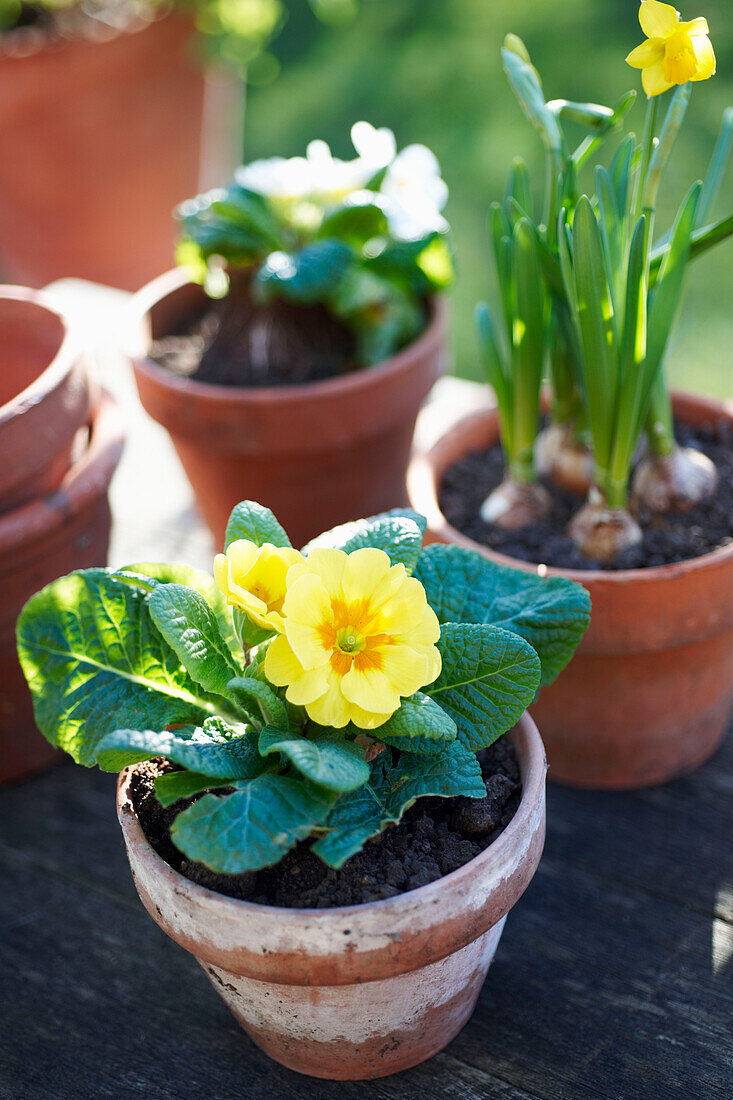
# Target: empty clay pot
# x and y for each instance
(45, 396)
(317, 454)
(52, 535)
(648, 694)
(358, 992)
(100, 138)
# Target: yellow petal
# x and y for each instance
(329, 565)
(658, 20)
(220, 573)
(295, 572)
(648, 53)
(308, 687)
(404, 610)
(282, 667)
(654, 80)
(695, 27)
(405, 667)
(241, 556)
(705, 58)
(371, 690)
(331, 709)
(365, 720)
(308, 617)
(364, 571)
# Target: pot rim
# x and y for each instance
(82, 483)
(68, 353)
(154, 292)
(533, 783)
(427, 468)
(95, 33)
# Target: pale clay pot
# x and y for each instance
(357, 992)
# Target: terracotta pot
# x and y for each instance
(358, 992)
(317, 454)
(100, 138)
(45, 396)
(65, 530)
(648, 694)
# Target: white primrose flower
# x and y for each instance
(376, 148)
(415, 194)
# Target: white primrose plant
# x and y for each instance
(306, 695)
(364, 237)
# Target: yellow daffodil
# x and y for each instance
(359, 635)
(674, 52)
(253, 578)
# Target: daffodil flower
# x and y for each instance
(674, 52)
(359, 636)
(254, 579)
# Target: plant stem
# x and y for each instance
(659, 419)
(647, 151)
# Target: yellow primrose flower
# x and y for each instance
(359, 635)
(674, 52)
(253, 578)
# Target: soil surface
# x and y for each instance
(435, 836)
(239, 343)
(667, 539)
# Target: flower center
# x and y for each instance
(679, 58)
(349, 641)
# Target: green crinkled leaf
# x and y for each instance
(251, 828)
(355, 817)
(148, 574)
(398, 533)
(232, 222)
(259, 700)
(358, 218)
(456, 771)
(324, 756)
(489, 677)
(306, 276)
(250, 520)
(95, 662)
(419, 717)
(365, 812)
(551, 613)
(173, 786)
(197, 750)
(190, 627)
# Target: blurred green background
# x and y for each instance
(431, 70)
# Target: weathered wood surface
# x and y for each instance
(614, 979)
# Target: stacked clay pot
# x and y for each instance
(60, 441)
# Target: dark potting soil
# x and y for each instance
(435, 836)
(236, 342)
(666, 539)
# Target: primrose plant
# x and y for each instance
(309, 695)
(363, 237)
(612, 295)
